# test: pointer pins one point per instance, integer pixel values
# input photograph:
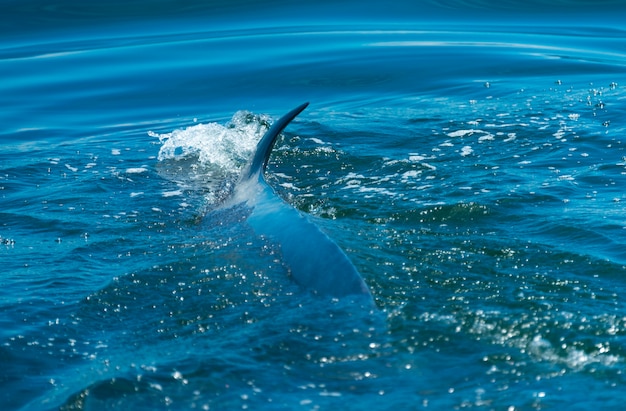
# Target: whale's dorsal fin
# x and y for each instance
(264, 147)
(314, 260)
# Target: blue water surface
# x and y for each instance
(468, 157)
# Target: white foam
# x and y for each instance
(424, 187)
(289, 186)
(510, 137)
(136, 170)
(226, 147)
(574, 358)
(172, 193)
(417, 158)
(484, 135)
(463, 133)
(410, 174)
(466, 151)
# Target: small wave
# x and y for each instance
(136, 170)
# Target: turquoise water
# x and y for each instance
(469, 158)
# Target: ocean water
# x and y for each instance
(470, 159)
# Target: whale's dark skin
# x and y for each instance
(314, 260)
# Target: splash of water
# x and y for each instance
(210, 156)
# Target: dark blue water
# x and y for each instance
(470, 159)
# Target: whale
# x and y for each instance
(312, 258)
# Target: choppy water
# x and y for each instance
(469, 159)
